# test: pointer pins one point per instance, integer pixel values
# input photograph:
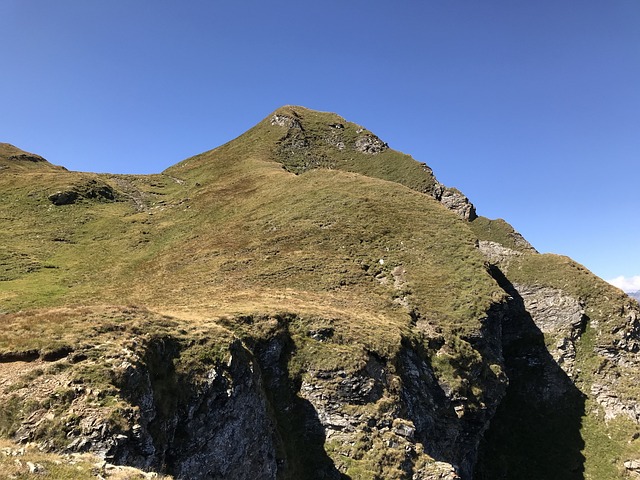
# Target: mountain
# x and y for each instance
(302, 302)
(635, 295)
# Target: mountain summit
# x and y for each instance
(301, 302)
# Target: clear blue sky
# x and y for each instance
(532, 108)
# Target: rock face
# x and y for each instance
(285, 121)
(246, 416)
(559, 317)
(370, 144)
(496, 253)
(456, 201)
(214, 425)
(538, 388)
(221, 429)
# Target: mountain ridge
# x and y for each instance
(324, 280)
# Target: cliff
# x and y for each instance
(301, 302)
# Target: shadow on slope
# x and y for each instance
(535, 432)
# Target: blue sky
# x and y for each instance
(530, 108)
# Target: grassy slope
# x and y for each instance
(232, 227)
(233, 231)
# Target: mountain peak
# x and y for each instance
(303, 140)
(312, 139)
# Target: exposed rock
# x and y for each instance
(558, 316)
(285, 121)
(538, 389)
(520, 242)
(370, 144)
(619, 366)
(67, 197)
(456, 201)
(92, 190)
(431, 405)
(190, 439)
(633, 465)
(496, 253)
(336, 140)
(452, 199)
(35, 468)
(613, 404)
(436, 471)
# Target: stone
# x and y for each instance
(92, 190)
(67, 197)
(370, 144)
(558, 315)
(459, 203)
(35, 467)
(633, 465)
(496, 253)
(285, 121)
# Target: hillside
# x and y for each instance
(301, 302)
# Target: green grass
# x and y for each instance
(500, 232)
(263, 229)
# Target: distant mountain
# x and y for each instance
(635, 295)
(302, 302)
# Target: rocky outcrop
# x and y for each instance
(559, 317)
(218, 427)
(370, 144)
(454, 200)
(91, 190)
(66, 197)
(613, 381)
(285, 121)
(496, 253)
(245, 415)
(134, 406)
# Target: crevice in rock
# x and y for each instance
(450, 421)
(206, 425)
(302, 436)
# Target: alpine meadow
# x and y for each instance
(302, 302)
